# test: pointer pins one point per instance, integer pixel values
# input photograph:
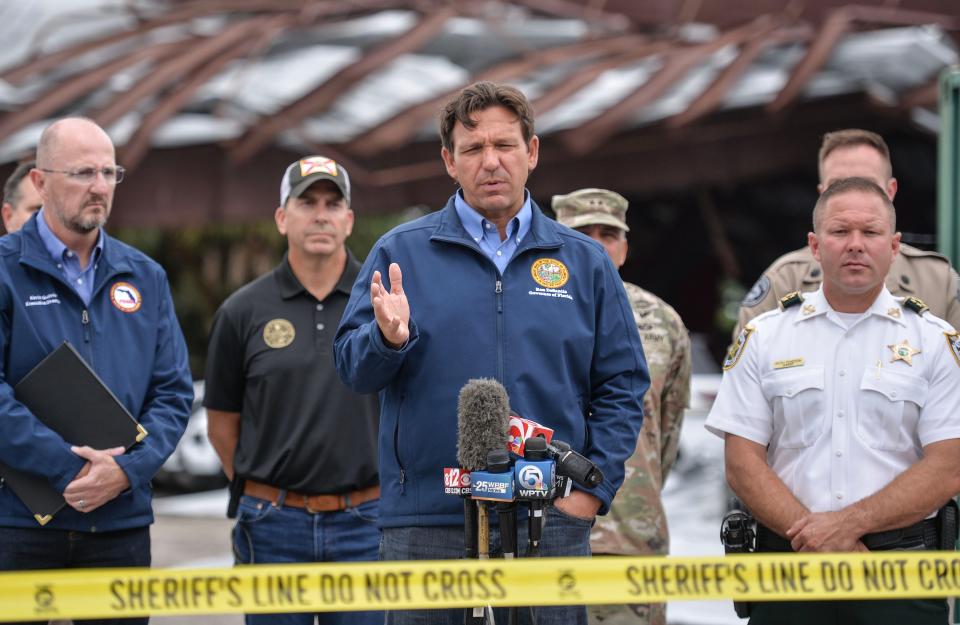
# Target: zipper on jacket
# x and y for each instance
(396, 447)
(499, 292)
(85, 320)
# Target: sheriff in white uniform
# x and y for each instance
(843, 402)
(840, 410)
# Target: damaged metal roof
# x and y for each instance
(363, 78)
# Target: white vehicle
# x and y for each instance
(194, 464)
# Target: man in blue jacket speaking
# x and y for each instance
(62, 278)
(490, 287)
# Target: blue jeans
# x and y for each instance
(563, 535)
(24, 548)
(265, 533)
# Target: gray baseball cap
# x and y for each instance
(302, 173)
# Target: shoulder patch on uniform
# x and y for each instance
(736, 350)
(916, 305)
(756, 293)
(953, 342)
(790, 299)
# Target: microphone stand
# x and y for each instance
(507, 515)
(477, 527)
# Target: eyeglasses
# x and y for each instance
(87, 175)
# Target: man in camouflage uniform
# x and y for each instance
(636, 523)
(914, 272)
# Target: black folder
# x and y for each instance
(70, 399)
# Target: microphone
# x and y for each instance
(535, 483)
(521, 429)
(571, 464)
(496, 484)
(483, 414)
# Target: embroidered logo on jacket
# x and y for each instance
(125, 297)
(550, 273)
(42, 300)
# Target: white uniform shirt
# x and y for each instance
(841, 415)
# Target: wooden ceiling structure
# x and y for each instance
(393, 165)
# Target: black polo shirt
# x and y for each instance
(271, 360)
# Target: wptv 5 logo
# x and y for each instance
(456, 481)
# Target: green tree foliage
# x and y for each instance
(206, 264)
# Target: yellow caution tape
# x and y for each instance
(98, 593)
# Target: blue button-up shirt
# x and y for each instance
(487, 236)
(81, 279)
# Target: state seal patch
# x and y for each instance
(550, 273)
(736, 350)
(756, 293)
(125, 297)
(278, 333)
(953, 341)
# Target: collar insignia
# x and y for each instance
(916, 305)
(790, 299)
(903, 352)
(894, 312)
(808, 309)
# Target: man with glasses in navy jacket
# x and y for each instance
(62, 278)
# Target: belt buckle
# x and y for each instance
(307, 506)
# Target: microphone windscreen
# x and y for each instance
(483, 421)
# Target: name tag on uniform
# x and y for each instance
(786, 364)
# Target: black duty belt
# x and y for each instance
(919, 536)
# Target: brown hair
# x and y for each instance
(850, 138)
(478, 97)
(847, 185)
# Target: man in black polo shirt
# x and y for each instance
(300, 447)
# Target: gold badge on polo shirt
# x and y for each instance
(278, 333)
(903, 351)
(550, 273)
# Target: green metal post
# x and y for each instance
(948, 183)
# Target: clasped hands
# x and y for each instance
(825, 531)
(99, 481)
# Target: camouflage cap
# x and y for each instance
(586, 207)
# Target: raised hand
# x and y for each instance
(391, 308)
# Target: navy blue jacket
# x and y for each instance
(140, 355)
(555, 328)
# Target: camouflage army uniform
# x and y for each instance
(636, 523)
(914, 273)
